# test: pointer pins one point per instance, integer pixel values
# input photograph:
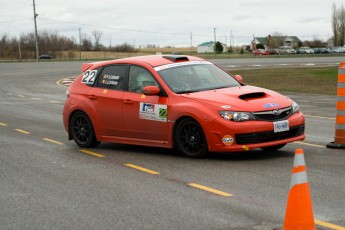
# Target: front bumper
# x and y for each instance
(227, 136)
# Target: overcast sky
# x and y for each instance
(170, 23)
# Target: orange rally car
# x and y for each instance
(176, 101)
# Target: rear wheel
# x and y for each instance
(190, 139)
(274, 147)
(82, 130)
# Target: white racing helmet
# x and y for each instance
(144, 79)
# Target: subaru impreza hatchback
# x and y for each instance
(180, 102)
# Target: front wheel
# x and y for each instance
(82, 130)
(190, 139)
(273, 148)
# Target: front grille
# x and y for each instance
(262, 137)
(274, 115)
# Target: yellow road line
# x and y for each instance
(3, 124)
(91, 153)
(314, 145)
(142, 169)
(329, 118)
(22, 131)
(211, 190)
(53, 141)
(58, 82)
(329, 225)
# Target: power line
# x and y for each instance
(13, 20)
(124, 29)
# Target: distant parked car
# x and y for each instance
(45, 56)
(305, 50)
(273, 51)
(260, 52)
(324, 51)
(337, 49)
(321, 50)
(286, 50)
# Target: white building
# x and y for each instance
(208, 47)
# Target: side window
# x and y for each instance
(112, 77)
(139, 78)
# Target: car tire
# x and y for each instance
(82, 130)
(273, 148)
(189, 139)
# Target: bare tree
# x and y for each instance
(342, 25)
(334, 24)
(338, 25)
(97, 35)
(86, 43)
(275, 40)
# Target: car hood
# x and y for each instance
(244, 98)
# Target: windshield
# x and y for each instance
(187, 78)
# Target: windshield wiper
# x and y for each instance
(222, 87)
(187, 91)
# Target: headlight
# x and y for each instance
(236, 116)
(295, 107)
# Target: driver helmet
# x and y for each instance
(144, 79)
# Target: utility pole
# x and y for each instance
(214, 48)
(191, 43)
(79, 44)
(36, 36)
(231, 41)
(20, 50)
(230, 38)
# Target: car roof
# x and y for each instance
(152, 60)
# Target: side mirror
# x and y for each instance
(151, 90)
(239, 78)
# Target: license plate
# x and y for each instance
(281, 126)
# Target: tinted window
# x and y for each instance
(112, 77)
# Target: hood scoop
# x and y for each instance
(252, 96)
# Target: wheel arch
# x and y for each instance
(70, 118)
(193, 148)
(178, 121)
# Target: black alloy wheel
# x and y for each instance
(82, 130)
(190, 139)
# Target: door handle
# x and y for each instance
(92, 97)
(128, 101)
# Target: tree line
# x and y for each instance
(52, 43)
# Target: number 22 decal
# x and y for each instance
(89, 76)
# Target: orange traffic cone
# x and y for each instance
(339, 139)
(299, 211)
